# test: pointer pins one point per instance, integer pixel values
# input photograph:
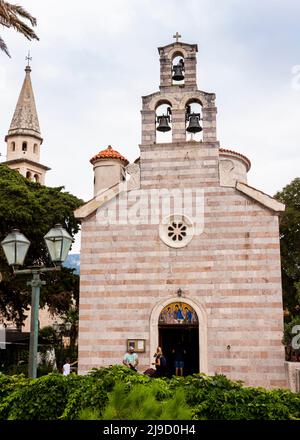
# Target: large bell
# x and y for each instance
(178, 71)
(194, 125)
(163, 123)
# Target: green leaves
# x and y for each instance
(13, 16)
(34, 209)
(117, 393)
(290, 246)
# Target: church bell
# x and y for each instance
(178, 71)
(163, 123)
(194, 125)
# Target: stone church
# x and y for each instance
(177, 249)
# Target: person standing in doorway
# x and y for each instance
(160, 363)
(179, 354)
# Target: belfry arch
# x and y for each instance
(202, 327)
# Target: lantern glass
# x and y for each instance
(15, 247)
(68, 326)
(58, 242)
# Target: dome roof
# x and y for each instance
(224, 151)
(109, 153)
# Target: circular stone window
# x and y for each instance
(176, 230)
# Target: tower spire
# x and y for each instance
(28, 59)
(24, 135)
(25, 119)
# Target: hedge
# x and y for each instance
(119, 393)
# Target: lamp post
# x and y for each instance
(61, 329)
(15, 247)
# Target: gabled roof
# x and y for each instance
(88, 208)
(25, 119)
(178, 44)
(261, 197)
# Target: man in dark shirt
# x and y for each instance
(179, 354)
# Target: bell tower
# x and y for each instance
(188, 116)
(178, 89)
(24, 138)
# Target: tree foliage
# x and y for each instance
(290, 246)
(34, 209)
(12, 16)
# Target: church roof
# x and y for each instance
(109, 153)
(24, 160)
(178, 44)
(25, 119)
(235, 153)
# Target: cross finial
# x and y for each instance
(177, 36)
(28, 59)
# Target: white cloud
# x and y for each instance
(96, 59)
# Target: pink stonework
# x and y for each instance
(229, 272)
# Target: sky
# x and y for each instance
(96, 59)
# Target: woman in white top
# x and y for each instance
(67, 367)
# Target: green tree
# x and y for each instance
(34, 209)
(12, 16)
(290, 246)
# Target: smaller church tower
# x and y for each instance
(24, 138)
(109, 169)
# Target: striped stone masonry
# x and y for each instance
(229, 271)
(232, 269)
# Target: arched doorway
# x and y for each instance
(178, 335)
(202, 328)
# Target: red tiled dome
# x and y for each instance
(109, 153)
(224, 150)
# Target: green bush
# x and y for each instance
(119, 393)
(140, 403)
(90, 395)
(38, 399)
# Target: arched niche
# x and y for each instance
(28, 175)
(163, 119)
(158, 100)
(202, 325)
(178, 68)
(194, 117)
(173, 53)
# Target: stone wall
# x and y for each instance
(293, 375)
(231, 270)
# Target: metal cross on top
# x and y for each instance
(177, 36)
(28, 58)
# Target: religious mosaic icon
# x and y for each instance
(178, 313)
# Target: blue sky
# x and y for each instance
(96, 59)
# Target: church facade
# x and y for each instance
(177, 249)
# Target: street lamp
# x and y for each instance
(68, 326)
(15, 247)
(58, 242)
(60, 328)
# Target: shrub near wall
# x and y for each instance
(72, 397)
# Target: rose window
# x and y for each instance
(176, 230)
